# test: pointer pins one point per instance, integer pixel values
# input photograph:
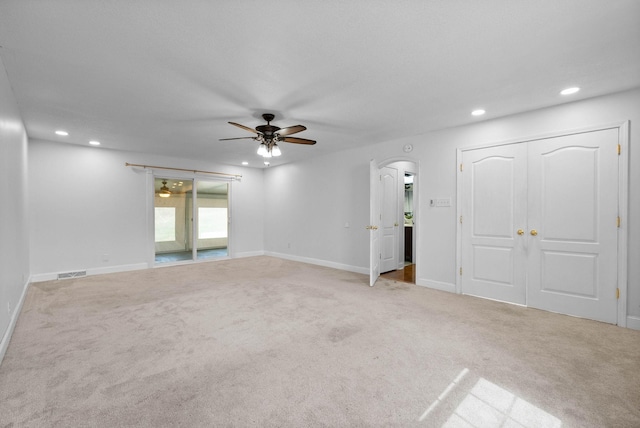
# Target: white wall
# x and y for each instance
(310, 201)
(86, 203)
(14, 242)
(309, 204)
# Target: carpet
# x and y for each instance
(263, 341)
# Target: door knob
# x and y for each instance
(395, 224)
(534, 232)
(520, 232)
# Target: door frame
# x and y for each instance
(623, 201)
(151, 175)
(416, 203)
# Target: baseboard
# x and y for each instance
(319, 262)
(52, 276)
(437, 285)
(247, 254)
(12, 323)
(633, 322)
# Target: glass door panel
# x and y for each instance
(172, 219)
(212, 219)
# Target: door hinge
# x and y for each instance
(619, 149)
(617, 293)
(460, 271)
(460, 219)
(460, 167)
(618, 222)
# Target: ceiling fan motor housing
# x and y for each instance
(268, 130)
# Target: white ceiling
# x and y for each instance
(166, 76)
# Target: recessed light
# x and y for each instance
(478, 112)
(62, 133)
(569, 91)
(266, 163)
(245, 163)
(94, 143)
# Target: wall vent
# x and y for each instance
(76, 274)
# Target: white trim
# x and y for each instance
(248, 254)
(325, 263)
(623, 230)
(6, 338)
(623, 208)
(52, 276)
(151, 217)
(546, 135)
(458, 288)
(436, 285)
(633, 322)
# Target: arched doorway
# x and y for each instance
(394, 219)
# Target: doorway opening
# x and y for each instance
(407, 271)
(191, 219)
(398, 214)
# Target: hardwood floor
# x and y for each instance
(408, 274)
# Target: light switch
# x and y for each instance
(440, 202)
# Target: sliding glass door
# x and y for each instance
(185, 209)
(212, 214)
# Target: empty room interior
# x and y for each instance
(367, 213)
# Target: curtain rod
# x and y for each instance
(183, 169)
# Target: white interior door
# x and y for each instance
(389, 220)
(493, 223)
(374, 218)
(539, 223)
(573, 209)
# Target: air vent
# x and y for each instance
(76, 274)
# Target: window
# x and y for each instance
(212, 223)
(165, 224)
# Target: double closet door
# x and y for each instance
(539, 223)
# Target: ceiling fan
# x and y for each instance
(270, 135)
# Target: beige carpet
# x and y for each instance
(267, 342)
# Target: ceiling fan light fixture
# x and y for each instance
(164, 190)
(262, 149)
(275, 150)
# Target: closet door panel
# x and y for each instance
(572, 240)
(494, 208)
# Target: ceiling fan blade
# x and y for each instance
(246, 128)
(291, 130)
(238, 138)
(297, 140)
